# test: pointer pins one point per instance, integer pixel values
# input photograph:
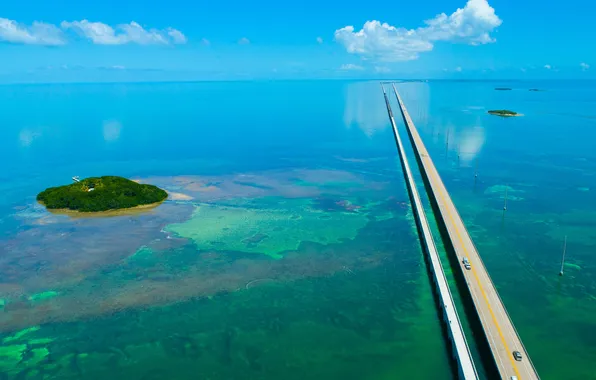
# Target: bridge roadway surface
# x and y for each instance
(500, 333)
(461, 351)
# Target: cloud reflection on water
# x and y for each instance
(443, 121)
(27, 136)
(111, 130)
(436, 121)
(471, 141)
(365, 108)
(416, 96)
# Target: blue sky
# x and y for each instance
(42, 41)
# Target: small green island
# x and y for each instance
(99, 194)
(503, 113)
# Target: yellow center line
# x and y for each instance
(446, 207)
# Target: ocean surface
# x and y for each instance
(287, 248)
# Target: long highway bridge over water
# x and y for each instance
(507, 351)
(461, 352)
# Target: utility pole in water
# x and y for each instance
(563, 259)
(505, 204)
(458, 154)
(476, 169)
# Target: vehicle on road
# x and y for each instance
(517, 356)
(466, 263)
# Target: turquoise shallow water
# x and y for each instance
(287, 248)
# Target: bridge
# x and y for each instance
(510, 357)
(459, 345)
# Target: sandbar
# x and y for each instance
(102, 214)
(179, 196)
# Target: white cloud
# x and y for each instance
(380, 41)
(471, 24)
(382, 69)
(111, 68)
(319, 40)
(350, 66)
(243, 41)
(103, 34)
(61, 67)
(548, 67)
(38, 33)
(584, 66)
(177, 36)
(458, 69)
(205, 42)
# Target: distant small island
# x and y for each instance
(503, 113)
(98, 194)
(502, 89)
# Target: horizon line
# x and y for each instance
(296, 80)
